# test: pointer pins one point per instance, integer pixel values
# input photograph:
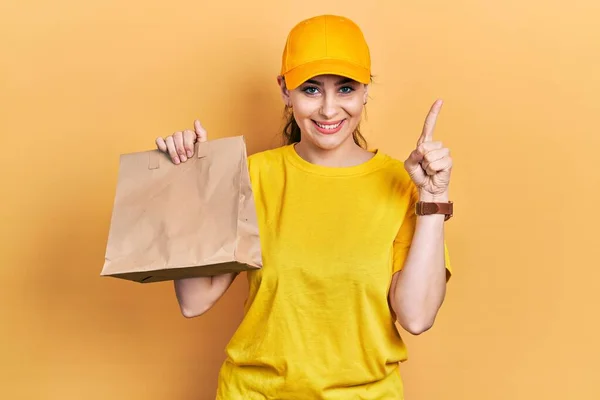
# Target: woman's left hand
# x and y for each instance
(430, 165)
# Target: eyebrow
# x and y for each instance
(342, 81)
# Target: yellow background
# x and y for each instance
(82, 82)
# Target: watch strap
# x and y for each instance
(429, 208)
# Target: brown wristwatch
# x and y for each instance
(426, 208)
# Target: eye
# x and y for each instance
(311, 90)
(346, 89)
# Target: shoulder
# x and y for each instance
(393, 167)
(266, 159)
(267, 155)
(397, 177)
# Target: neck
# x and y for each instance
(348, 154)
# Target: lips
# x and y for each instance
(329, 127)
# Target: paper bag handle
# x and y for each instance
(154, 156)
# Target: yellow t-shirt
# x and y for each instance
(317, 321)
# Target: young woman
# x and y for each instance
(352, 239)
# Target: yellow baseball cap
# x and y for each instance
(325, 44)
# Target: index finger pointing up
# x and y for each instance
(429, 126)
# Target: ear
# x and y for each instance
(366, 94)
(285, 93)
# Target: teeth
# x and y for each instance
(328, 126)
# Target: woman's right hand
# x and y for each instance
(180, 145)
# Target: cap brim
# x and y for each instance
(302, 73)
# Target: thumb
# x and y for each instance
(412, 165)
(201, 134)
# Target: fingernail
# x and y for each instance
(183, 158)
(189, 153)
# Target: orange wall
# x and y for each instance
(82, 82)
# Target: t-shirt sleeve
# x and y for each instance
(405, 235)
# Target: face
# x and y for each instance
(327, 108)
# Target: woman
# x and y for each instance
(345, 254)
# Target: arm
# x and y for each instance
(194, 295)
(418, 289)
(197, 295)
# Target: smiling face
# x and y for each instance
(328, 109)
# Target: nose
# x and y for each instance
(328, 106)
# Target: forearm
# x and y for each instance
(197, 295)
(421, 285)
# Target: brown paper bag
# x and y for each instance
(171, 221)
